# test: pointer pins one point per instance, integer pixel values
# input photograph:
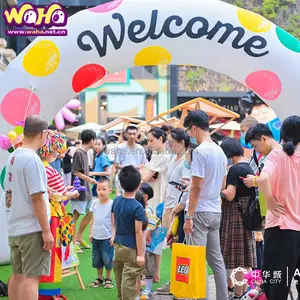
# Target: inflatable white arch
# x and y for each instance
(126, 33)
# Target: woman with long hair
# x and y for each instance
(237, 243)
(178, 141)
(156, 174)
(279, 181)
(101, 163)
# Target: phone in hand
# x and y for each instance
(177, 185)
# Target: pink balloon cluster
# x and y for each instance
(65, 113)
(5, 142)
(13, 139)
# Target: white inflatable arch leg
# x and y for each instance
(126, 33)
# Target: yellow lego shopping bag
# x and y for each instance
(188, 271)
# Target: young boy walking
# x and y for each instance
(128, 217)
(101, 235)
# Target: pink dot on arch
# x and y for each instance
(86, 76)
(18, 104)
(265, 83)
(106, 7)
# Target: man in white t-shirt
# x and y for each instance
(203, 207)
(27, 203)
(130, 153)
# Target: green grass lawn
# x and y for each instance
(71, 288)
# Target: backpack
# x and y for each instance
(3, 289)
(251, 216)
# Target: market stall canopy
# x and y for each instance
(213, 110)
(121, 123)
(233, 125)
(93, 126)
(175, 122)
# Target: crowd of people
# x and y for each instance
(159, 178)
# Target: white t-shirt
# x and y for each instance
(175, 173)
(111, 150)
(102, 225)
(209, 163)
(126, 156)
(25, 176)
(159, 163)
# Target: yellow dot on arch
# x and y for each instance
(42, 59)
(252, 21)
(153, 56)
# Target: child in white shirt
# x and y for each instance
(101, 235)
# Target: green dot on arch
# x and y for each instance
(288, 40)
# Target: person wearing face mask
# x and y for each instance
(256, 158)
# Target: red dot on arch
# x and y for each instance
(86, 76)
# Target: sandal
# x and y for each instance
(108, 284)
(96, 283)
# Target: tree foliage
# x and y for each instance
(284, 13)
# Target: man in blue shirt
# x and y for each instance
(128, 217)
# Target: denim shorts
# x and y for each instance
(103, 254)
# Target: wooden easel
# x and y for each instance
(75, 271)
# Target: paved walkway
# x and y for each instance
(213, 291)
(211, 287)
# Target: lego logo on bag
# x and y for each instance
(183, 269)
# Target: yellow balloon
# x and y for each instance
(153, 56)
(42, 59)
(12, 135)
(253, 21)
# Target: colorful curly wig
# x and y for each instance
(56, 142)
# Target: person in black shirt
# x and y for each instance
(237, 243)
(67, 166)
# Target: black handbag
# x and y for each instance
(251, 216)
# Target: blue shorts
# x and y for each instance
(103, 254)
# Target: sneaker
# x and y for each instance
(96, 283)
(108, 284)
(146, 295)
(78, 249)
(231, 293)
(84, 244)
(243, 297)
(165, 290)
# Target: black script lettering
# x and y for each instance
(151, 32)
(153, 22)
(167, 27)
(132, 33)
(256, 42)
(229, 29)
(202, 31)
(107, 32)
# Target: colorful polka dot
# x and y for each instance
(103, 8)
(264, 83)
(287, 40)
(25, 100)
(153, 56)
(86, 76)
(2, 177)
(42, 59)
(253, 21)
